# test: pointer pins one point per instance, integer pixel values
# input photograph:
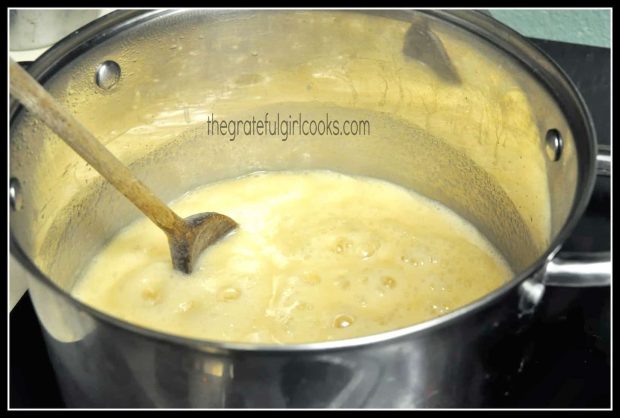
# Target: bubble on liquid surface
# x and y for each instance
(388, 282)
(409, 259)
(228, 294)
(151, 294)
(311, 278)
(185, 306)
(363, 245)
(341, 245)
(343, 321)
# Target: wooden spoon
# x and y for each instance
(187, 238)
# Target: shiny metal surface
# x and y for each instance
(555, 144)
(579, 270)
(453, 360)
(531, 292)
(15, 195)
(603, 161)
(583, 269)
(108, 74)
(447, 367)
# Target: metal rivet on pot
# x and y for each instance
(107, 75)
(555, 144)
(15, 194)
(531, 292)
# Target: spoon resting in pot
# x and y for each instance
(187, 237)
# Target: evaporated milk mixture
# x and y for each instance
(318, 256)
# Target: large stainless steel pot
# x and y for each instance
(143, 83)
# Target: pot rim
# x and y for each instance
(541, 66)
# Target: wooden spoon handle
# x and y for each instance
(40, 103)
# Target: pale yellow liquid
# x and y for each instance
(318, 256)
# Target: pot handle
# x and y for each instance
(583, 269)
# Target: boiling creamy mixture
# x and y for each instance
(318, 256)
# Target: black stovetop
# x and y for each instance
(568, 364)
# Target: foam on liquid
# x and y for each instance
(318, 256)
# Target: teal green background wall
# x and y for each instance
(588, 27)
